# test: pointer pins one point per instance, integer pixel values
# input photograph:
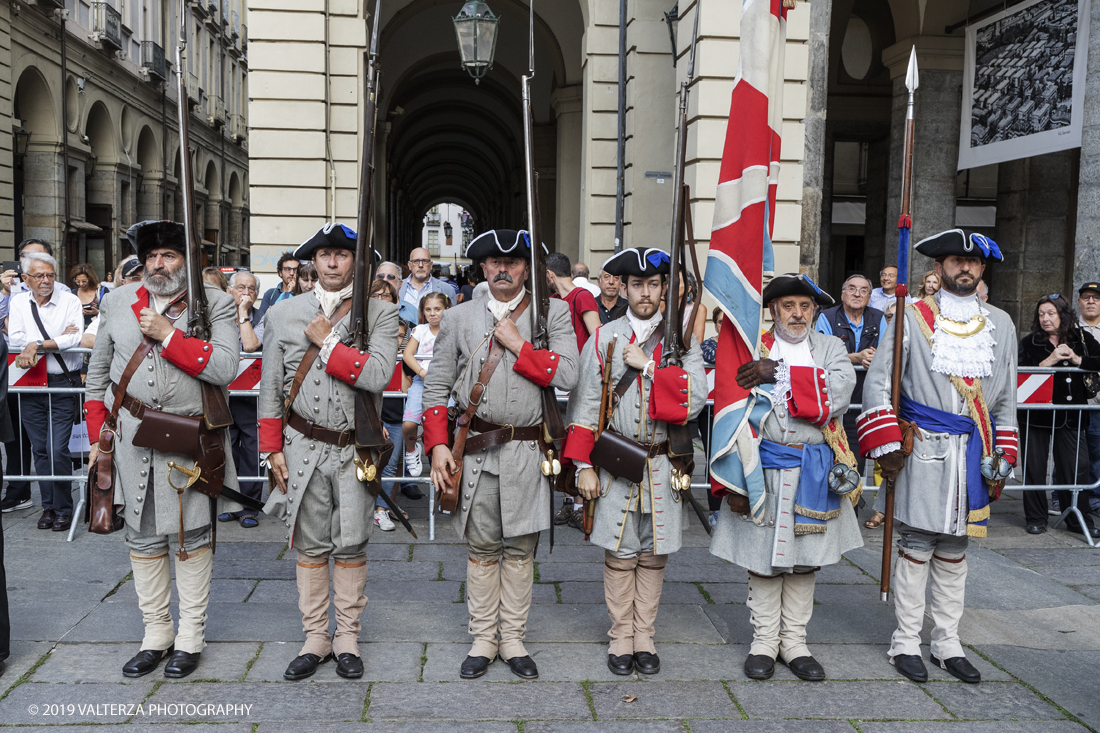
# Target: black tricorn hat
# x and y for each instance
(793, 283)
(330, 235)
(638, 261)
(960, 242)
(501, 243)
(145, 236)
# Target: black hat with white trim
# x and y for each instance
(330, 235)
(501, 243)
(638, 261)
(960, 242)
(793, 283)
(145, 236)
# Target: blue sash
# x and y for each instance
(938, 421)
(814, 503)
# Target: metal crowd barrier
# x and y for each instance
(1025, 411)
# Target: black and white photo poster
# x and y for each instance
(1024, 82)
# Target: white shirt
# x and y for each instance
(62, 310)
(584, 282)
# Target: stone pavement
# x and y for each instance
(1032, 628)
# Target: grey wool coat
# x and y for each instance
(931, 491)
(159, 383)
(655, 496)
(461, 348)
(324, 399)
(773, 547)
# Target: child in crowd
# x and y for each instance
(418, 356)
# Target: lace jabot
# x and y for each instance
(957, 356)
(788, 355)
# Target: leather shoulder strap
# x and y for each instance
(631, 373)
(172, 313)
(309, 358)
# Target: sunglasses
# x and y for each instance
(380, 276)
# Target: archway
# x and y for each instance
(38, 190)
(108, 200)
(152, 176)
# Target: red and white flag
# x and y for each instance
(1034, 389)
(33, 377)
(248, 374)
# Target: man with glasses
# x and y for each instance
(418, 284)
(881, 297)
(243, 433)
(390, 272)
(860, 327)
(288, 272)
(1088, 302)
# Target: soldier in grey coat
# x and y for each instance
(638, 525)
(504, 499)
(958, 387)
(168, 379)
(802, 522)
(326, 509)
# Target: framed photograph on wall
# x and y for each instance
(1024, 82)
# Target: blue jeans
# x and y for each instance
(1092, 439)
(48, 420)
(396, 458)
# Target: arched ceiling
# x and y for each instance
(452, 140)
(930, 17)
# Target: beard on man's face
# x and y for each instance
(164, 282)
(792, 331)
(953, 286)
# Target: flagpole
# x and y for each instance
(905, 223)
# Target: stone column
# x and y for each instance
(936, 145)
(7, 91)
(568, 104)
(813, 162)
(1086, 257)
(877, 223)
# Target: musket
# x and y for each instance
(605, 405)
(905, 223)
(552, 425)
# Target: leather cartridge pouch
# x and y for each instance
(909, 430)
(169, 433)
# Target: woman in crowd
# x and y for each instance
(307, 278)
(1057, 341)
(216, 277)
(87, 288)
(418, 357)
(929, 284)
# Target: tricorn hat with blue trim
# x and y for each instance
(330, 235)
(501, 243)
(960, 242)
(638, 261)
(793, 283)
(145, 236)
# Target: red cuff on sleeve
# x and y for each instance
(346, 363)
(537, 365)
(271, 435)
(189, 354)
(809, 398)
(95, 414)
(579, 440)
(876, 428)
(1009, 439)
(670, 395)
(434, 420)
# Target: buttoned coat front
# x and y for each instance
(655, 496)
(161, 384)
(461, 348)
(326, 400)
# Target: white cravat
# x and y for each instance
(500, 309)
(643, 327)
(963, 357)
(330, 301)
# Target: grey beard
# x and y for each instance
(164, 288)
(791, 338)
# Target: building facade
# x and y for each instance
(448, 228)
(89, 140)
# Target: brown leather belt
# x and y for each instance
(661, 449)
(491, 434)
(134, 406)
(313, 431)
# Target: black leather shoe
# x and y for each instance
(622, 664)
(523, 667)
(911, 666)
(474, 667)
(349, 666)
(144, 662)
(647, 663)
(304, 666)
(62, 522)
(759, 667)
(959, 667)
(181, 664)
(1036, 528)
(46, 520)
(412, 491)
(806, 668)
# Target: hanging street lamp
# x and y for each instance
(476, 30)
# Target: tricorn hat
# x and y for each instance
(793, 283)
(330, 235)
(145, 236)
(960, 242)
(501, 243)
(638, 261)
